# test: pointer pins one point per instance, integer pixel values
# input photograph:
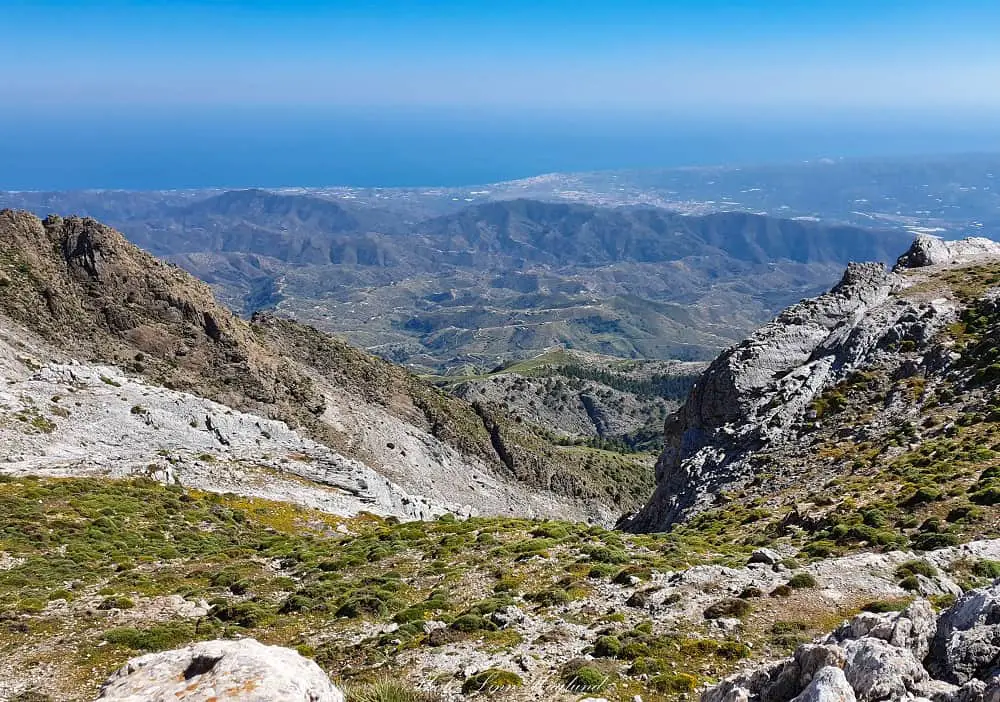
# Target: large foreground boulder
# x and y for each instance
(967, 643)
(218, 671)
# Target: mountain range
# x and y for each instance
(494, 282)
(173, 473)
(85, 293)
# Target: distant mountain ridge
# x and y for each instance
(497, 281)
(571, 234)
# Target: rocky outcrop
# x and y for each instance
(213, 671)
(753, 392)
(756, 394)
(966, 646)
(910, 655)
(933, 251)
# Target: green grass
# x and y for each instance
(125, 541)
(279, 572)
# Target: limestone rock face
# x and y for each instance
(242, 670)
(912, 629)
(967, 644)
(877, 670)
(752, 393)
(758, 395)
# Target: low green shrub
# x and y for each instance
(607, 647)
(491, 680)
(675, 683)
(727, 608)
(801, 581)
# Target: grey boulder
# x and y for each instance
(828, 685)
(967, 643)
(877, 670)
(912, 629)
(221, 671)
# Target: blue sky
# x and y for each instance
(689, 56)
(179, 93)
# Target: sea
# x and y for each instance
(150, 148)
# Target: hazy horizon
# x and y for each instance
(197, 93)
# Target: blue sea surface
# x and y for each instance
(140, 149)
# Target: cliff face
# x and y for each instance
(762, 393)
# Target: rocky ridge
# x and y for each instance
(762, 392)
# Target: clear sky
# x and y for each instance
(613, 54)
(175, 93)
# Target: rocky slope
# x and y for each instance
(59, 417)
(760, 414)
(89, 295)
(586, 398)
(94, 572)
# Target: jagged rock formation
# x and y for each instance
(216, 671)
(755, 394)
(909, 655)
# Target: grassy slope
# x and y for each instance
(88, 562)
(78, 547)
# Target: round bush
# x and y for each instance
(730, 607)
(491, 680)
(800, 581)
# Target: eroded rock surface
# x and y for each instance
(934, 251)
